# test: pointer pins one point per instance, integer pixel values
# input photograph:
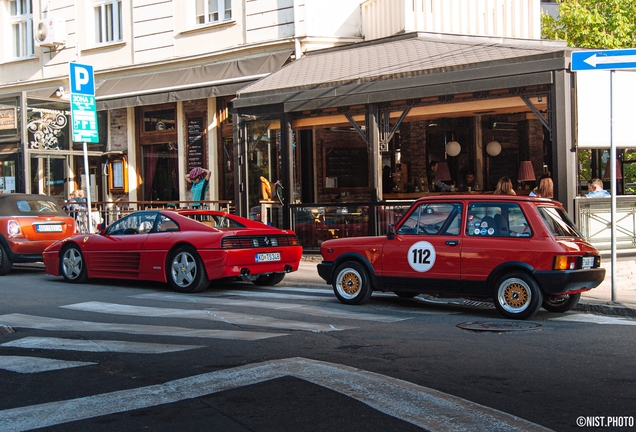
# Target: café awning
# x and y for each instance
(198, 82)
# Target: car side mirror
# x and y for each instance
(391, 232)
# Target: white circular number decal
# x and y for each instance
(421, 256)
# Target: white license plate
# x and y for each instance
(588, 262)
(262, 257)
(48, 228)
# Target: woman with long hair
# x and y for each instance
(504, 187)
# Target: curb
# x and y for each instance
(610, 309)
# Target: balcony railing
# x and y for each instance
(499, 18)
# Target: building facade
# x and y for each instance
(165, 75)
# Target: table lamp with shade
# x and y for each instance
(526, 173)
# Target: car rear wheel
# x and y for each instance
(185, 271)
(560, 303)
(351, 284)
(269, 279)
(517, 296)
(72, 265)
(5, 263)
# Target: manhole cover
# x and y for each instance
(4, 330)
(499, 326)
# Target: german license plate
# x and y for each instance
(588, 262)
(48, 228)
(263, 257)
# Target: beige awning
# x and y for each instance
(216, 79)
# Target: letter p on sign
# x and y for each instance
(82, 81)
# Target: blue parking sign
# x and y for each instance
(82, 80)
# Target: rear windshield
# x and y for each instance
(558, 222)
(37, 206)
(215, 221)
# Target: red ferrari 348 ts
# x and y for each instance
(185, 248)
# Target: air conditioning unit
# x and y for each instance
(50, 32)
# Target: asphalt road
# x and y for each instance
(133, 356)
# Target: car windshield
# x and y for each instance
(558, 222)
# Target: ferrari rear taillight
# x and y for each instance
(13, 228)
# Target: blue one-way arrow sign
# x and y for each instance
(604, 60)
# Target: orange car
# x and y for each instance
(28, 225)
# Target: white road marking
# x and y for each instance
(266, 294)
(211, 315)
(96, 345)
(595, 319)
(421, 406)
(291, 307)
(25, 365)
(56, 324)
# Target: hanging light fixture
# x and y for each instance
(453, 148)
(493, 148)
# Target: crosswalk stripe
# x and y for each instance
(424, 407)
(21, 364)
(594, 319)
(290, 307)
(269, 294)
(51, 343)
(208, 314)
(57, 324)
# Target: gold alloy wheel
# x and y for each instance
(514, 295)
(350, 283)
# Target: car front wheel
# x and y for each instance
(72, 265)
(185, 272)
(560, 303)
(269, 279)
(517, 296)
(5, 263)
(351, 284)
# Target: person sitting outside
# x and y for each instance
(595, 188)
(504, 187)
(199, 178)
(545, 189)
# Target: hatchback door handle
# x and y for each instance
(452, 242)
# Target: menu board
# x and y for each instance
(196, 149)
(346, 167)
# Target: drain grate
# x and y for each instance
(499, 326)
(5, 330)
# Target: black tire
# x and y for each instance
(185, 271)
(5, 263)
(404, 294)
(269, 279)
(560, 303)
(72, 264)
(351, 284)
(517, 296)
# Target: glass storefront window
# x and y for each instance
(159, 120)
(160, 172)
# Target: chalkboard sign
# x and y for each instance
(346, 167)
(196, 148)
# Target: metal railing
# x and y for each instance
(594, 219)
(107, 212)
(316, 222)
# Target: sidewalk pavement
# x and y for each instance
(597, 300)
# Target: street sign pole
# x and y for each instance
(609, 60)
(84, 115)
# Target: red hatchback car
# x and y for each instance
(521, 252)
(28, 224)
(187, 249)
